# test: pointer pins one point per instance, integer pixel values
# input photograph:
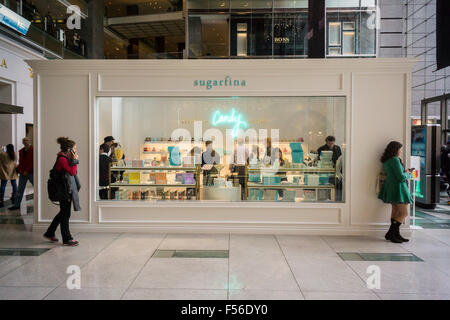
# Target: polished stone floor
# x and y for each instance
(222, 266)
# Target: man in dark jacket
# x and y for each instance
(103, 166)
(331, 146)
(445, 161)
(25, 169)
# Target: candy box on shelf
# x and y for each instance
(179, 177)
(137, 163)
(288, 195)
(270, 180)
(254, 177)
(255, 194)
(134, 178)
(271, 195)
(188, 178)
(161, 178)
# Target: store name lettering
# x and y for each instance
(3, 64)
(281, 40)
(227, 82)
(233, 118)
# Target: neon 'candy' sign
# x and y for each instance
(233, 118)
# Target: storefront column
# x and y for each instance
(316, 33)
(93, 33)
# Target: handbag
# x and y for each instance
(381, 178)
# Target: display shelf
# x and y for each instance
(151, 170)
(307, 170)
(180, 168)
(148, 185)
(285, 186)
(155, 152)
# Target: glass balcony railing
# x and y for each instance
(55, 10)
(53, 45)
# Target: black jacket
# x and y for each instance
(336, 152)
(103, 168)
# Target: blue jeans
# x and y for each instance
(3, 188)
(22, 184)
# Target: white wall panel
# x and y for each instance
(64, 111)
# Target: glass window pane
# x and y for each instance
(208, 36)
(349, 26)
(334, 33)
(208, 4)
(367, 34)
(300, 4)
(241, 39)
(368, 3)
(290, 34)
(259, 34)
(152, 163)
(334, 51)
(348, 43)
(341, 3)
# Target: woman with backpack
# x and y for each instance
(66, 171)
(395, 189)
(8, 171)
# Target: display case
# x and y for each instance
(154, 182)
(291, 184)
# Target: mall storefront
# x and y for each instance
(224, 146)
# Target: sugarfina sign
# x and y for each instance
(226, 82)
(233, 118)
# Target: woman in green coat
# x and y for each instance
(395, 189)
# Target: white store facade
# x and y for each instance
(364, 103)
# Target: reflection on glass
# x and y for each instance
(348, 42)
(159, 161)
(208, 35)
(290, 34)
(334, 34)
(334, 51)
(241, 39)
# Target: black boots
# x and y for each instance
(394, 233)
(397, 230)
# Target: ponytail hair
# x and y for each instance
(65, 144)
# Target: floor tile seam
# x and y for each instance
(175, 288)
(357, 274)
(328, 244)
(143, 266)
(374, 290)
(19, 266)
(437, 239)
(289, 266)
(94, 256)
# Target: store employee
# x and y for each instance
(209, 158)
(330, 146)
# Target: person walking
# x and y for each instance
(66, 165)
(395, 189)
(25, 169)
(8, 171)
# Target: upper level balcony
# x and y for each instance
(145, 19)
(48, 33)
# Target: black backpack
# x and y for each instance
(56, 185)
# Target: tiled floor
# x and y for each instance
(224, 266)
